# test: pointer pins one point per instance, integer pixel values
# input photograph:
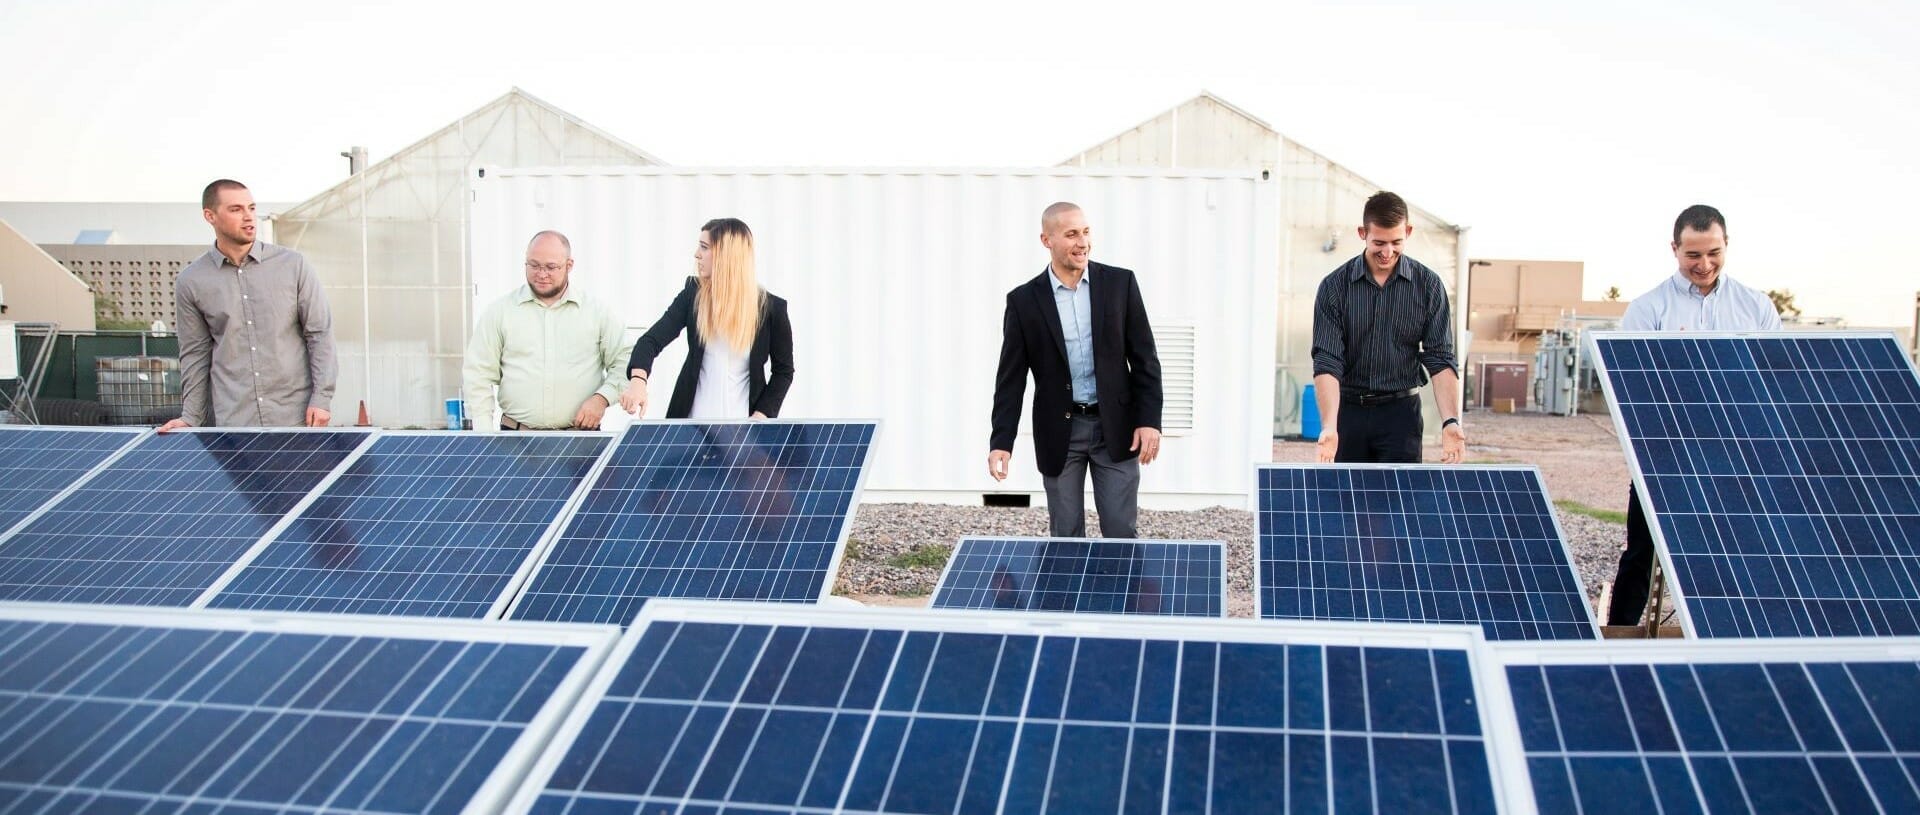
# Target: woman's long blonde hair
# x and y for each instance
(730, 295)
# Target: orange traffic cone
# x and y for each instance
(363, 415)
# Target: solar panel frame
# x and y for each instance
(527, 564)
(944, 583)
(133, 436)
(272, 529)
(1559, 532)
(1503, 657)
(838, 554)
(1499, 731)
(1677, 583)
(596, 642)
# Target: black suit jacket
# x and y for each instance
(774, 340)
(1126, 368)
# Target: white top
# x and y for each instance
(1675, 305)
(722, 392)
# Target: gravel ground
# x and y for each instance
(1579, 457)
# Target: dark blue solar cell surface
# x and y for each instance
(103, 718)
(740, 511)
(434, 524)
(165, 520)
(1783, 474)
(1174, 578)
(1417, 544)
(704, 716)
(1721, 737)
(37, 463)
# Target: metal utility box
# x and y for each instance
(1502, 380)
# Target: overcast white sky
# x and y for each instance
(1556, 131)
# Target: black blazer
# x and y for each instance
(1126, 368)
(773, 340)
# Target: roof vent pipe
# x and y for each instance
(356, 159)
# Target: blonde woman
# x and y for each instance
(734, 329)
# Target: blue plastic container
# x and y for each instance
(1309, 414)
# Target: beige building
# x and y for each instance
(35, 288)
(1510, 303)
(136, 281)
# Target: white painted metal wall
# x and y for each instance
(897, 282)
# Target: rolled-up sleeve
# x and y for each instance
(1436, 342)
(1330, 327)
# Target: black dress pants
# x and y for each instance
(1383, 432)
(1634, 580)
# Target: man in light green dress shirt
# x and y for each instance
(554, 353)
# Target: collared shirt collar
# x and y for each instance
(1686, 286)
(1085, 277)
(256, 252)
(1359, 267)
(525, 295)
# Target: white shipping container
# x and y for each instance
(897, 283)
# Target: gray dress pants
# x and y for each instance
(1116, 486)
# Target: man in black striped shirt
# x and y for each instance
(1380, 329)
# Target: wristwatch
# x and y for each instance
(1452, 420)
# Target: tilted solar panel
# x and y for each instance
(168, 517)
(116, 710)
(1111, 576)
(1417, 543)
(38, 463)
(714, 510)
(422, 523)
(1811, 725)
(706, 707)
(1782, 476)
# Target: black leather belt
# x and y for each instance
(1364, 398)
(1086, 409)
(508, 423)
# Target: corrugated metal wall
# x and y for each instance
(897, 282)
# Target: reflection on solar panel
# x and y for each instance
(1783, 476)
(430, 524)
(37, 463)
(722, 511)
(207, 712)
(1818, 726)
(1176, 578)
(168, 517)
(1408, 543)
(707, 705)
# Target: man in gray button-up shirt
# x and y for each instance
(256, 338)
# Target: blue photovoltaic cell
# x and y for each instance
(1721, 737)
(1782, 473)
(1174, 578)
(877, 717)
(1417, 544)
(726, 511)
(37, 463)
(427, 524)
(166, 519)
(137, 718)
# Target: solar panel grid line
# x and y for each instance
(1087, 575)
(43, 477)
(439, 518)
(1455, 524)
(735, 483)
(1785, 724)
(746, 693)
(1808, 458)
(166, 676)
(169, 514)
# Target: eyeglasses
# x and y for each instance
(549, 268)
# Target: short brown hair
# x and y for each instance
(210, 197)
(1699, 218)
(1384, 210)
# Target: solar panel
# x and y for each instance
(38, 463)
(1112, 576)
(1824, 725)
(1414, 543)
(1782, 474)
(424, 523)
(722, 511)
(163, 521)
(705, 706)
(203, 712)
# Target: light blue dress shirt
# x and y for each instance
(1676, 305)
(1076, 324)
